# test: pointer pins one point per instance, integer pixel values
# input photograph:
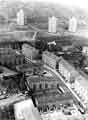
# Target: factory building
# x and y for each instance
(29, 51)
(52, 24)
(72, 24)
(20, 17)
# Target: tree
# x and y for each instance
(41, 44)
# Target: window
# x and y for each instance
(46, 85)
(40, 86)
(57, 85)
(34, 87)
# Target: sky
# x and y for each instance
(79, 3)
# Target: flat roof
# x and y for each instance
(54, 97)
(37, 78)
(28, 67)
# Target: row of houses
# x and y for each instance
(77, 78)
(10, 57)
(67, 70)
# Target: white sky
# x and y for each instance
(79, 3)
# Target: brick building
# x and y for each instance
(49, 92)
(10, 57)
(50, 59)
(41, 82)
(67, 70)
(29, 51)
(49, 101)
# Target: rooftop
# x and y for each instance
(28, 67)
(28, 46)
(9, 52)
(47, 97)
(69, 66)
(6, 71)
(37, 78)
(53, 56)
